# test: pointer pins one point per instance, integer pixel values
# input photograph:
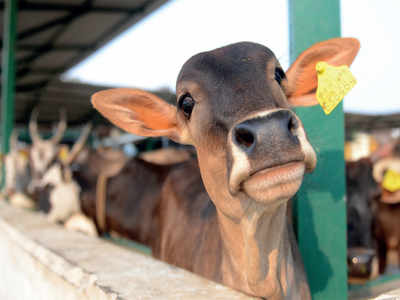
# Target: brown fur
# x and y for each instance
(387, 232)
(132, 196)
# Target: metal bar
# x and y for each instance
(320, 209)
(48, 6)
(8, 76)
(58, 21)
(58, 47)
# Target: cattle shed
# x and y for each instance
(40, 41)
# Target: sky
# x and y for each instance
(150, 54)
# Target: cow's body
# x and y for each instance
(131, 195)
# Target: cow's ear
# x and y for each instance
(302, 76)
(138, 112)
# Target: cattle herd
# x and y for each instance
(220, 210)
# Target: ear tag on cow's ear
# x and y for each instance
(333, 84)
(63, 153)
(391, 181)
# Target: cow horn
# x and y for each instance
(62, 125)
(33, 128)
(381, 166)
(79, 144)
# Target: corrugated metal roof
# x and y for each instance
(54, 35)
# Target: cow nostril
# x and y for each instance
(244, 137)
(293, 124)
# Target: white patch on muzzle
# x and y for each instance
(240, 167)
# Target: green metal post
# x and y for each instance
(320, 209)
(8, 75)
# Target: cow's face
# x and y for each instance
(42, 153)
(234, 105)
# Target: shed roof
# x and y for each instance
(53, 36)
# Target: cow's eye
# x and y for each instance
(279, 75)
(186, 103)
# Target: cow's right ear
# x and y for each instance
(138, 112)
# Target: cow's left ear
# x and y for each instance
(138, 112)
(302, 76)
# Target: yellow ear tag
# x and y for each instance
(63, 153)
(333, 84)
(391, 181)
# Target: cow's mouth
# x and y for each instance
(274, 183)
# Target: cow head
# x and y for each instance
(44, 151)
(234, 104)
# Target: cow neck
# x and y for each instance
(257, 255)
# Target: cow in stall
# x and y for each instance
(62, 193)
(225, 215)
(387, 224)
(362, 194)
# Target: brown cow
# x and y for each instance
(362, 192)
(234, 106)
(387, 212)
(131, 194)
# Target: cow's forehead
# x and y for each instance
(233, 63)
(235, 80)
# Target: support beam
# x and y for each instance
(50, 6)
(320, 208)
(8, 75)
(64, 20)
(58, 47)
